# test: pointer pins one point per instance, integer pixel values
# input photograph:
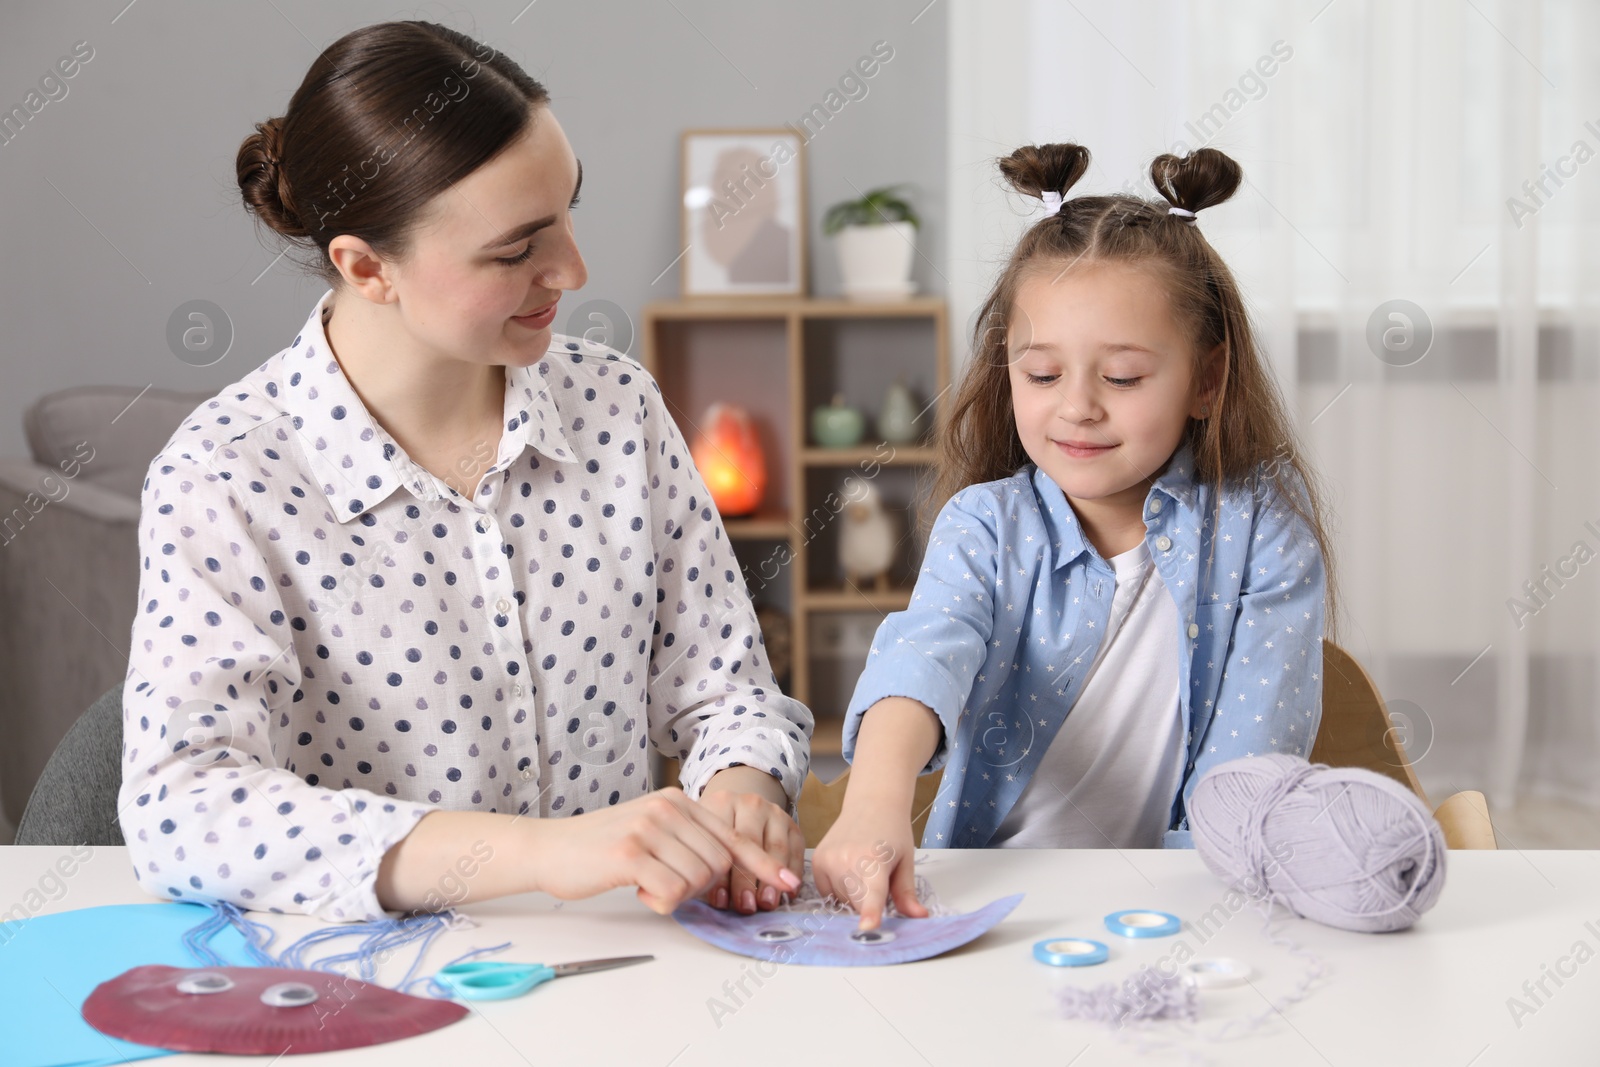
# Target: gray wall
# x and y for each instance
(118, 202)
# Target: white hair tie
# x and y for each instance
(1187, 215)
(1052, 202)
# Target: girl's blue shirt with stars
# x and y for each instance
(1008, 613)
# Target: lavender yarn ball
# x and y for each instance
(1342, 845)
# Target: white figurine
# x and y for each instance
(867, 539)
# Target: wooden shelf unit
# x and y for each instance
(779, 358)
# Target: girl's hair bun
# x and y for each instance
(1045, 168)
(262, 179)
(1201, 179)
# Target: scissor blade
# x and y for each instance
(564, 970)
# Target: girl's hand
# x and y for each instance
(669, 846)
(865, 858)
(768, 825)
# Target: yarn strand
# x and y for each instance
(378, 940)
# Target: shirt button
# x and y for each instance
(1194, 631)
(482, 527)
(1163, 542)
(1155, 506)
(503, 606)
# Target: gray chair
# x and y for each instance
(75, 800)
(69, 562)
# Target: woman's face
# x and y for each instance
(495, 252)
(1100, 379)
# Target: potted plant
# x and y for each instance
(874, 236)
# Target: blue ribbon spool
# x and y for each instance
(1142, 923)
(1070, 952)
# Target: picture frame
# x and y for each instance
(743, 212)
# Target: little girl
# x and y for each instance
(1127, 583)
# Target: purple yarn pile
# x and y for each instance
(1341, 845)
(1149, 994)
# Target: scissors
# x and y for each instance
(493, 980)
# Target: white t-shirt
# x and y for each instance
(1112, 771)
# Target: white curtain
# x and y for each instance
(1445, 153)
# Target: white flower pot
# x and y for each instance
(875, 261)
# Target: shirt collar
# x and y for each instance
(355, 460)
(1176, 482)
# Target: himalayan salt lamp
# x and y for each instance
(727, 453)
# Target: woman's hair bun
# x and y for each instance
(1201, 179)
(1045, 168)
(262, 179)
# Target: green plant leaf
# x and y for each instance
(876, 207)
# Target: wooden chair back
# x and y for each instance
(1356, 730)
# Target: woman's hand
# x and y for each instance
(764, 822)
(756, 805)
(669, 846)
(866, 857)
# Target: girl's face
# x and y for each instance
(1101, 379)
(493, 248)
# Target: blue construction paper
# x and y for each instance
(49, 964)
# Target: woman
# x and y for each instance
(430, 568)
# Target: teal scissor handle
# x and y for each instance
(491, 980)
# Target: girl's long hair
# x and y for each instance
(1248, 434)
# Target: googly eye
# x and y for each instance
(205, 982)
(871, 937)
(773, 935)
(288, 995)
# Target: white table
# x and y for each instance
(1436, 994)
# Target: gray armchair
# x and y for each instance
(69, 563)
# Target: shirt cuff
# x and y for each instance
(775, 751)
(926, 688)
(355, 896)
